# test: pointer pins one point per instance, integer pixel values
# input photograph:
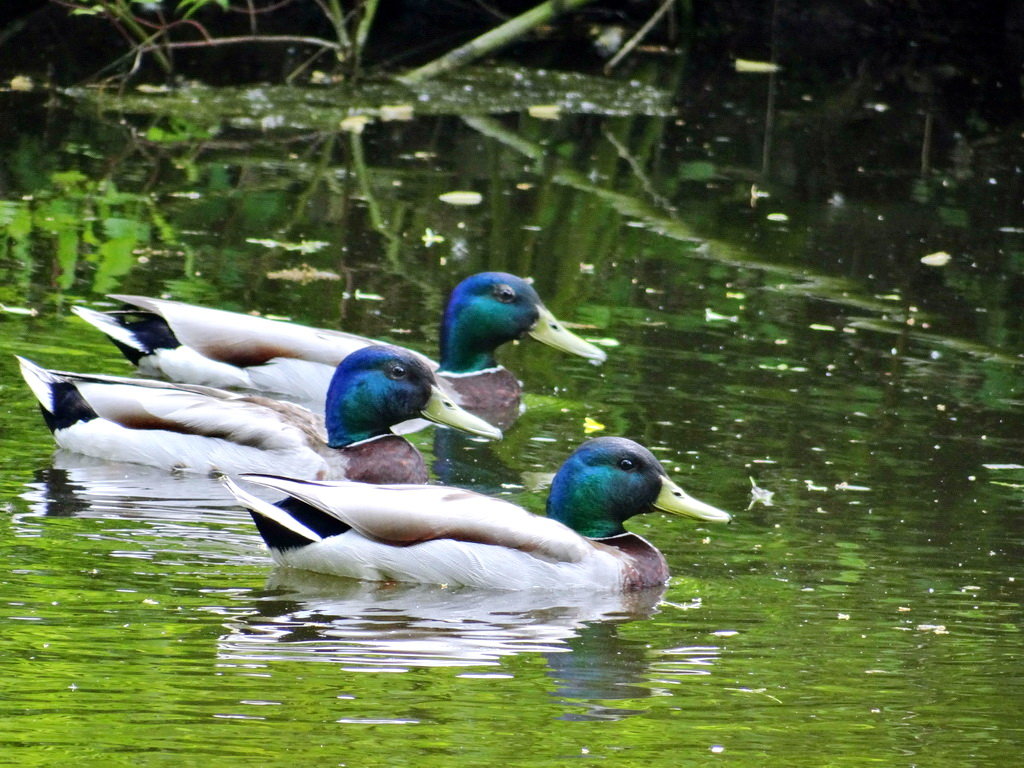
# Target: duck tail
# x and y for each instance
(289, 523)
(61, 403)
(135, 332)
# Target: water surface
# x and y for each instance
(771, 328)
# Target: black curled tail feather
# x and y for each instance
(148, 329)
(281, 538)
(68, 407)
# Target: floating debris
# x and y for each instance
(710, 314)
(845, 486)
(759, 495)
(430, 237)
(591, 425)
(545, 111)
(756, 194)
(303, 246)
(937, 259)
(777, 217)
(751, 67)
(461, 198)
(361, 296)
(303, 274)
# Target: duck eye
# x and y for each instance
(627, 465)
(504, 293)
(398, 371)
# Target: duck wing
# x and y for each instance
(245, 340)
(190, 409)
(402, 515)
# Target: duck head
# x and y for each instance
(379, 386)
(489, 309)
(609, 480)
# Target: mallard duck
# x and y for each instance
(445, 535)
(201, 429)
(196, 345)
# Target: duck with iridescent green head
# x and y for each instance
(194, 428)
(444, 535)
(197, 345)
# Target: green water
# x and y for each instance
(870, 615)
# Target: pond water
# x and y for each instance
(769, 322)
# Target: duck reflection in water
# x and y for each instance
(370, 626)
(599, 666)
(76, 485)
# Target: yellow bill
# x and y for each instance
(441, 409)
(676, 501)
(548, 330)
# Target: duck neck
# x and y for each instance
(352, 418)
(583, 506)
(342, 432)
(465, 348)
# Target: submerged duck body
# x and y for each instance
(202, 429)
(197, 345)
(444, 535)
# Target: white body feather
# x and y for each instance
(509, 548)
(188, 453)
(246, 434)
(446, 561)
(187, 365)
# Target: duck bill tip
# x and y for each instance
(675, 501)
(441, 409)
(548, 330)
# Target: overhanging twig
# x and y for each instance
(247, 39)
(489, 41)
(640, 35)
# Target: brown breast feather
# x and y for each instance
(388, 459)
(643, 565)
(493, 395)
